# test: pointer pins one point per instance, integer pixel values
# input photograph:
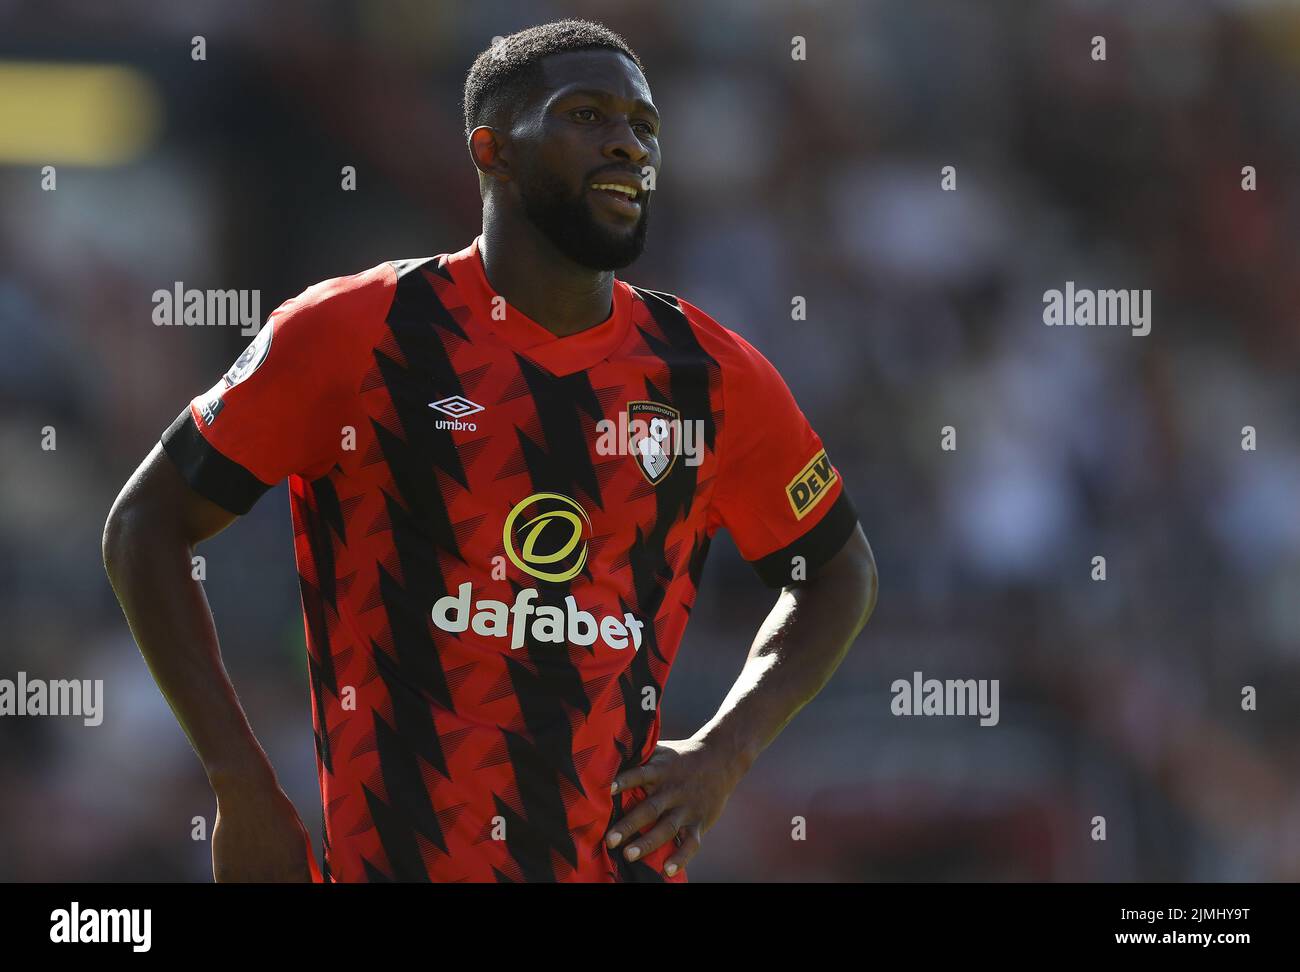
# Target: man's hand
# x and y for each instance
(259, 837)
(803, 639)
(687, 783)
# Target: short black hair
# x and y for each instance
(503, 75)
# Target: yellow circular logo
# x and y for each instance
(551, 542)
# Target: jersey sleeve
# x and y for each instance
(778, 493)
(282, 406)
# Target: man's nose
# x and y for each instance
(623, 143)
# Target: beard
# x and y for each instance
(571, 226)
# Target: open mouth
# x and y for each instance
(622, 199)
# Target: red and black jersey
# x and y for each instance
(499, 535)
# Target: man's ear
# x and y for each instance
(486, 149)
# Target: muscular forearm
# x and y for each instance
(799, 646)
(797, 649)
(169, 616)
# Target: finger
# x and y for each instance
(690, 846)
(663, 832)
(647, 775)
(638, 818)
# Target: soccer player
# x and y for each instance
(494, 580)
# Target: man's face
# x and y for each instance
(592, 122)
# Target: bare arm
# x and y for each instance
(149, 540)
(797, 649)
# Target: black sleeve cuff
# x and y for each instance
(817, 546)
(220, 479)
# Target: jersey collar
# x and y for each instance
(558, 355)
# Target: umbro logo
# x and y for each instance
(457, 407)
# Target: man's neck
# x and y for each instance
(540, 282)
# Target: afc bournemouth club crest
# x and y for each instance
(654, 431)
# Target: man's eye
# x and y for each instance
(584, 111)
(649, 129)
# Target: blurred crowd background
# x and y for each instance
(819, 178)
